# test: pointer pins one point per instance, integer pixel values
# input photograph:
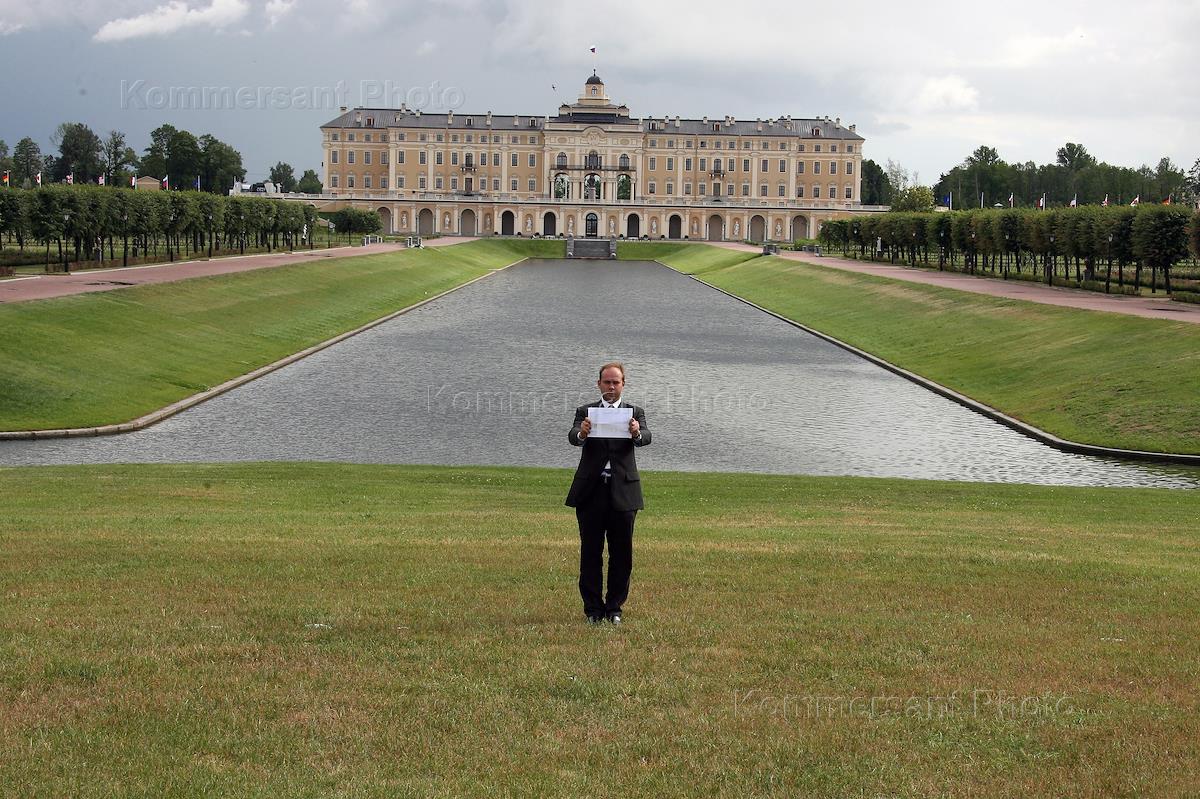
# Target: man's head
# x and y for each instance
(612, 381)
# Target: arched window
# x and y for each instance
(593, 160)
(561, 161)
(591, 187)
(624, 187)
(624, 161)
(562, 187)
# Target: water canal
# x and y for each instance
(491, 374)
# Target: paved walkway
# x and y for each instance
(1148, 306)
(44, 287)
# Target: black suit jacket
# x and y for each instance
(626, 482)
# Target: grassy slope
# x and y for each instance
(112, 356)
(687, 257)
(1099, 378)
(158, 637)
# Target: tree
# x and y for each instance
(80, 152)
(1160, 238)
(221, 165)
(183, 159)
(310, 184)
(5, 160)
(913, 198)
(897, 176)
(154, 162)
(1075, 157)
(283, 176)
(27, 161)
(117, 157)
(1169, 179)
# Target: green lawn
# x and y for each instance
(112, 356)
(686, 257)
(307, 630)
(1098, 378)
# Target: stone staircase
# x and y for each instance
(592, 248)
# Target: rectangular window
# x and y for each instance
(670, 144)
(349, 156)
(333, 156)
(833, 148)
(766, 166)
(399, 156)
(438, 157)
(650, 188)
(653, 163)
(782, 145)
(800, 192)
(366, 181)
(454, 158)
(495, 184)
(849, 167)
(687, 188)
(422, 158)
(454, 137)
(799, 167)
(745, 189)
(670, 164)
(703, 144)
(421, 183)
(782, 190)
(729, 189)
(422, 137)
(703, 188)
(349, 181)
(512, 185)
(745, 145)
(349, 137)
(816, 167)
(816, 148)
(728, 164)
(514, 139)
(833, 167)
(745, 164)
(439, 137)
(762, 190)
(783, 165)
(689, 144)
(470, 136)
(333, 181)
(816, 192)
(654, 142)
(366, 156)
(383, 159)
(512, 159)
(703, 164)
(849, 193)
(849, 148)
(399, 181)
(496, 162)
(437, 183)
(532, 184)
(670, 188)
(335, 137)
(532, 160)
(800, 147)
(687, 165)
(454, 184)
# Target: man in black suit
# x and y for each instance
(606, 494)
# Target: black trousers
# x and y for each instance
(599, 520)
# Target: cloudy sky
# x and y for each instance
(925, 83)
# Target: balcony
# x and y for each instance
(467, 166)
(586, 168)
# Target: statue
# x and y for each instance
(445, 221)
(695, 226)
(528, 224)
(737, 228)
(612, 226)
(570, 226)
(653, 225)
(404, 220)
(778, 228)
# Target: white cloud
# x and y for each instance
(951, 93)
(426, 47)
(173, 16)
(278, 9)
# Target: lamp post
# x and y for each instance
(66, 219)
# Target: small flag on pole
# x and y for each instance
(1011, 198)
(133, 181)
(1075, 201)
(1105, 203)
(166, 182)
(197, 183)
(1137, 200)
(70, 178)
(1041, 203)
(38, 178)
(1168, 200)
(100, 180)
(6, 177)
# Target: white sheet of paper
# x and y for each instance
(610, 422)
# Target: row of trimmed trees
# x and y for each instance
(1082, 239)
(85, 220)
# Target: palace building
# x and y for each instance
(592, 170)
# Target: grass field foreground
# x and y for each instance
(1098, 378)
(112, 356)
(313, 630)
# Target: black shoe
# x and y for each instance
(614, 618)
(595, 619)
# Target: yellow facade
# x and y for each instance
(592, 169)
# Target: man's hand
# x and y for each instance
(635, 429)
(585, 428)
